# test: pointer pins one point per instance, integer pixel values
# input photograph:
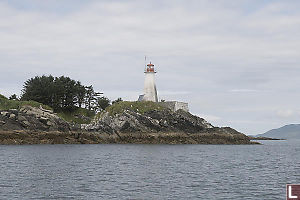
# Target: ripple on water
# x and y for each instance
(148, 171)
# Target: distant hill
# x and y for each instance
(291, 131)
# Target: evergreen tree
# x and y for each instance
(103, 102)
(117, 100)
(39, 89)
(81, 92)
(13, 97)
(61, 93)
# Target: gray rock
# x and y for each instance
(26, 123)
(44, 119)
(21, 118)
(49, 123)
(4, 113)
(37, 112)
(14, 111)
(76, 135)
(11, 116)
(30, 118)
(152, 121)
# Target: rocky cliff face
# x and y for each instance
(31, 125)
(163, 126)
(31, 118)
(149, 122)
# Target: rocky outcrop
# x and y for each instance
(164, 126)
(31, 125)
(151, 121)
(56, 137)
(31, 118)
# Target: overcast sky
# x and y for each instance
(237, 63)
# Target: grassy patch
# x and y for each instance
(136, 106)
(79, 116)
(2, 97)
(6, 104)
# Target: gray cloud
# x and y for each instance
(235, 62)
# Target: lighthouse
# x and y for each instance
(150, 92)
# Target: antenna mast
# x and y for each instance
(145, 62)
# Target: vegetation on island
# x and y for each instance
(6, 104)
(79, 104)
(71, 100)
(136, 106)
(60, 93)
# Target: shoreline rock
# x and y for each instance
(56, 137)
(31, 125)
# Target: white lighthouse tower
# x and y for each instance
(150, 93)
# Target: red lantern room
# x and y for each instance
(150, 68)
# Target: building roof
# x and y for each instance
(150, 64)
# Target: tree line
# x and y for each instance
(63, 94)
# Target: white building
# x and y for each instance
(150, 92)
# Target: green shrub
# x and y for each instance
(78, 116)
(2, 96)
(6, 104)
(136, 106)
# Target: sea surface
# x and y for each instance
(131, 171)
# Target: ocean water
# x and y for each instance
(149, 171)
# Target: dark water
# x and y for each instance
(149, 171)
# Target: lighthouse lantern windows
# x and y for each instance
(150, 68)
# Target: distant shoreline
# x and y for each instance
(264, 138)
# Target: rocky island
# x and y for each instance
(59, 110)
(122, 122)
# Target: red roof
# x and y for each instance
(150, 64)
